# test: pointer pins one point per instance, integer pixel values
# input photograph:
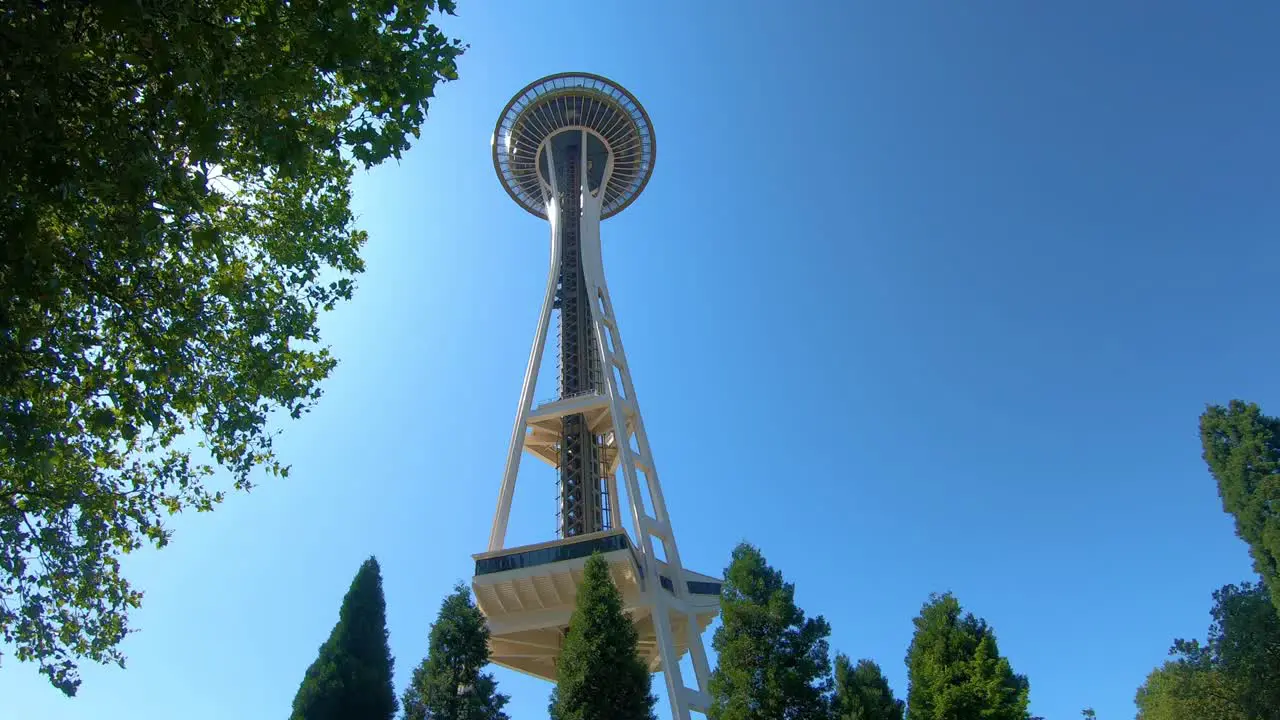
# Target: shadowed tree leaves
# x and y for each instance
(1242, 449)
(773, 661)
(175, 217)
(351, 677)
(1234, 674)
(449, 684)
(863, 693)
(1244, 642)
(600, 675)
(1183, 691)
(955, 669)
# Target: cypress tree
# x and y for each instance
(1242, 450)
(600, 675)
(448, 684)
(351, 677)
(773, 662)
(862, 692)
(955, 669)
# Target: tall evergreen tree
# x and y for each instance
(773, 662)
(1242, 450)
(448, 684)
(863, 693)
(351, 678)
(600, 675)
(955, 669)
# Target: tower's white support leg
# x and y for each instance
(621, 397)
(498, 535)
(697, 652)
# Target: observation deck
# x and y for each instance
(528, 593)
(569, 101)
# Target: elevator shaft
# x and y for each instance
(582, 496)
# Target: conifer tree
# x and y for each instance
(773, 661)
(600, 675)
(351, 678)
(448, 684)
(955, 670)
(862, 692)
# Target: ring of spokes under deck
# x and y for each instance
(573, 100)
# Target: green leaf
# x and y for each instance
(161, 269)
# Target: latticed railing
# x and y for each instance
(569, 396)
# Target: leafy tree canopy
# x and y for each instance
(1183, 691)
(773, 661)
(600, 675)
(1242, 450)
(175, 214)
(449, 684)
(351, 677)
(955, 669)
(863, 693)
(1234, 673)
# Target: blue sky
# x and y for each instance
(921, 297)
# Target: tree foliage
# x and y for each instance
(1234, 673)
(600, 675)
(351, 677)
(863, 693)
(449, 684)
(1183, 691)
(175, 214)
(773, 661)
(1242, 450)
(955, 669)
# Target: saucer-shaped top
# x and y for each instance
(560, 102)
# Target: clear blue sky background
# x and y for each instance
(923, 296)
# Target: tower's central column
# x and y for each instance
(581, 500)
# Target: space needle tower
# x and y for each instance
(574, 149)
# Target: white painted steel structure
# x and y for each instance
(527, 593)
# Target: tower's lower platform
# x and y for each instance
(528, 593)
